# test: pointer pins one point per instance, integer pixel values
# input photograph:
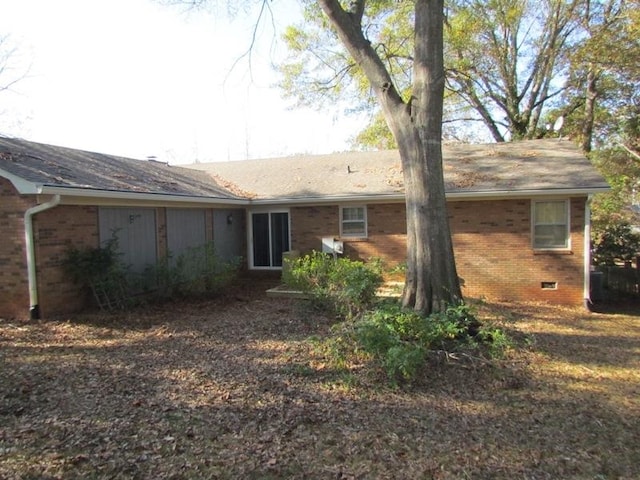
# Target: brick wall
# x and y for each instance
(14, 287)
(55, 231)
(494, 257)
(492, 244)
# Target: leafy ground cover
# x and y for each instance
(235, 388)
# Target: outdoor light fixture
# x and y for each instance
(229, 219)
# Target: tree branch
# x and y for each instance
(630, 152)
(363, 53)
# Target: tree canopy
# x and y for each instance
(9, 74)
(512, 66)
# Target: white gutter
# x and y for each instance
(34, 310)
(587, 253)
(156, 197)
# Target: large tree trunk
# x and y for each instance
(431, 280)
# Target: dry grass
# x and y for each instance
(234, 389)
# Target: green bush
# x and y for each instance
(348, 287)
(400, 340)
(195, 272)
(100, 270)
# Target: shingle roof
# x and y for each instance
(535, 165)
(54, 166)
(548, 166)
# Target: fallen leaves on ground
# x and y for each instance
(234, 388)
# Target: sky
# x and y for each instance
(137, 78)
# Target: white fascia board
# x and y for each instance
(399, 197)
(134, 196)
(330, 200)
(24, 187)
(549, 192)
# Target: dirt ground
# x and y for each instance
(235, 388)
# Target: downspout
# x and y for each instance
(587, 253)
(34, 310)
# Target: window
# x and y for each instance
(353, 222)
(551, 224)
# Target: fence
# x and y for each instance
(620, 281)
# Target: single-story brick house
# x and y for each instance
(53, 197)
(519, 214)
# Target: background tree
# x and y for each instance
(504, 56)
(505, 60)
(12, 71)
(8, 74)
(602, 108)
(617, 243)
(604, 76)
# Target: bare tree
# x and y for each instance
(12, 71)
(10, 74)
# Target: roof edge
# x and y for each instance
(24, 187)
(112, 194)
(479, 195)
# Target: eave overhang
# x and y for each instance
(138, 196)
(453, 196)
(85, 195)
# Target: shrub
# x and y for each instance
(400, 340)
(100, 270)
(348, 287)
(195, 272)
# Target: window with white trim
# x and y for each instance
(353, 221)
(551, 224)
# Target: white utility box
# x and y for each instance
(331, 245)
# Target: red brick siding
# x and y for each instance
(310, 224)
(492, 243)
(14, 287)
(55, 231)
(495, 259)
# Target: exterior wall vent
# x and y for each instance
(549, 285)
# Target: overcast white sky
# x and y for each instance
(135, 78)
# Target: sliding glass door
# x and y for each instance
(270, 238)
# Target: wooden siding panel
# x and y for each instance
(186, 228)
(135, 229)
